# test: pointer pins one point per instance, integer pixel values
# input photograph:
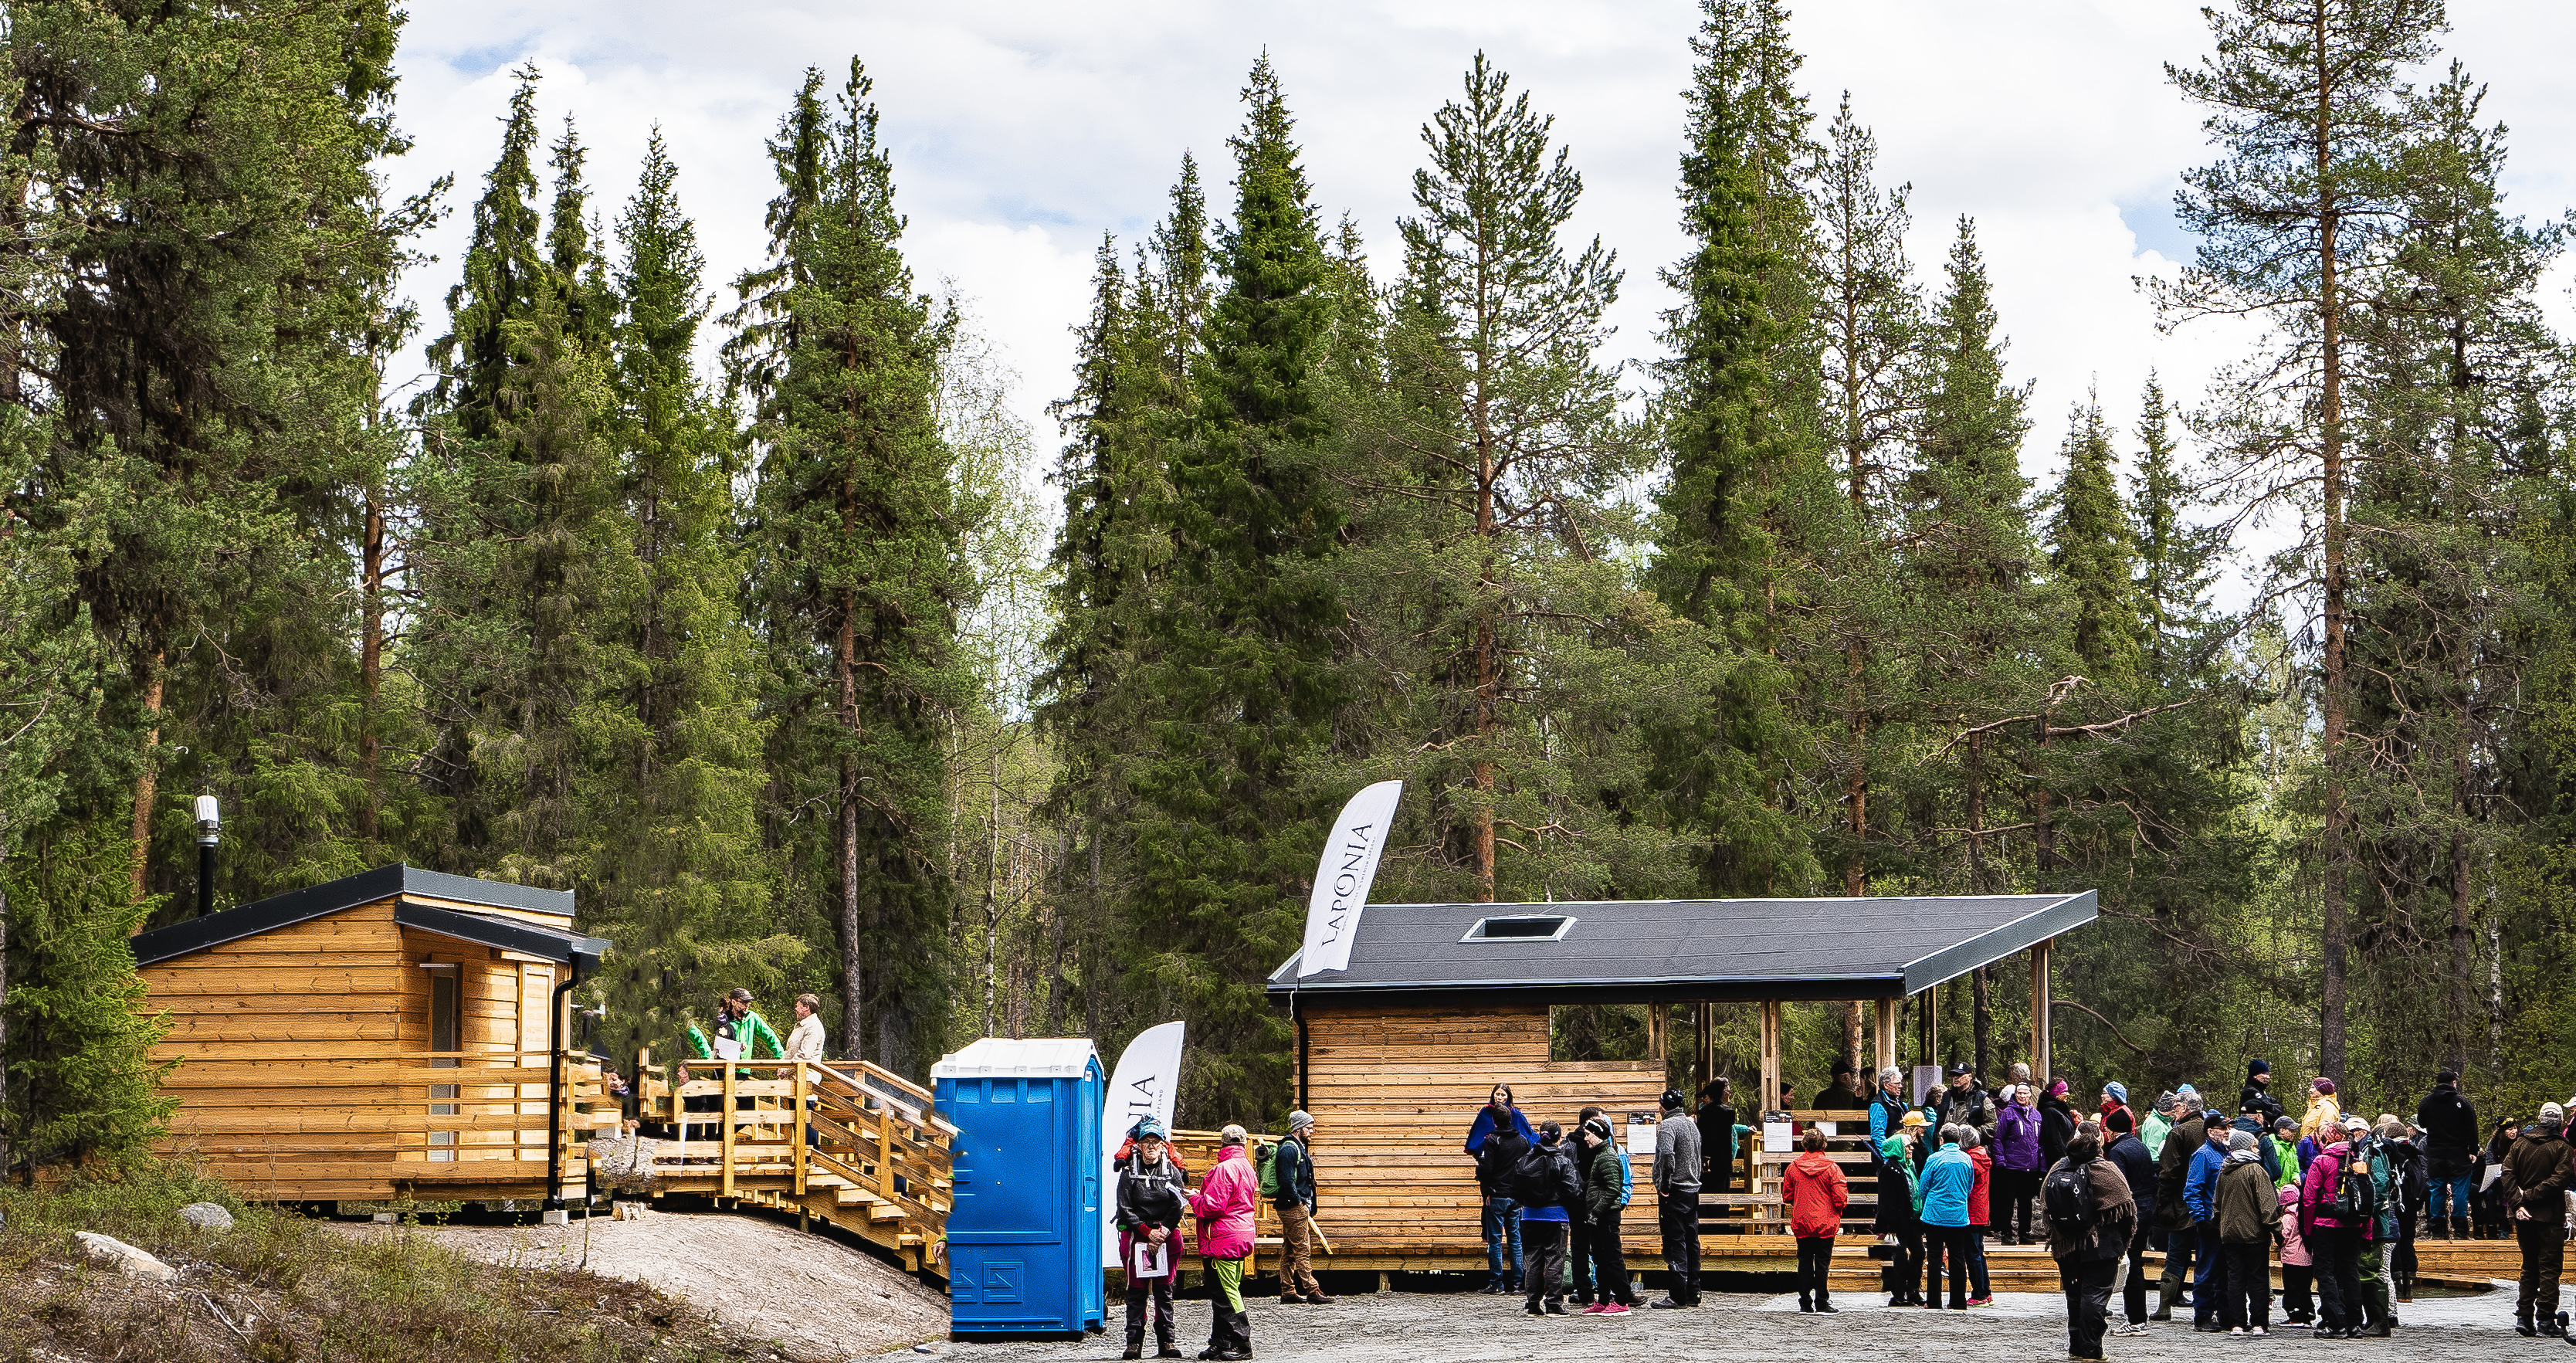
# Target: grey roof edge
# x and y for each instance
(509, 934)
(1837, 988)
(1986, 948)
(330, 897)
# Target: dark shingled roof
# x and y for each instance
(382, 883)
(1722, 949)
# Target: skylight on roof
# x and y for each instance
(1522, 928)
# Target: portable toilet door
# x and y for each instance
(1024, 1214)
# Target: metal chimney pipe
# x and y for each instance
(210, 831)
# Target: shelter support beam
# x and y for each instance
(1771, 1064)
(1703, 1044)
(2039, 1008)
(1885, 1038)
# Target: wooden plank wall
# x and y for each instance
(1393, 1091)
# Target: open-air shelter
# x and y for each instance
(1395, 1053)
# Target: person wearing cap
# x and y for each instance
(2284, 1140)
(2538, 1168)
(2323, 1112)
(1817, 1194)
(2256, 1096)
(1676, 1176)
(2173, 1169)
(2199, 1199)
(2450, 1125)
(2017, 1164)
(1605, 1193)
(1293, 1169)
(1963, 1102)
(2251, 1122)
(2116, 1117)
(1841, 1093)
(751, 1029)
(2247, 1207)
(1151, 1186)
(1224, 1205)
(2334, 1242)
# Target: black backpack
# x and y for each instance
(2067, 1198)
(1498, 1159)
(1541, 1177)
(2356, 1195)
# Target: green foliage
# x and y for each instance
(82, 1085)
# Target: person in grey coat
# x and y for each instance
(1677, 1171)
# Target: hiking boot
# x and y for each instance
(1667, 1304)
(1167, 1351)
(1318, 1299)
(2522, 1326)
(1826, 1308)
(1533, 1309)
(1134, 1351)
(2162, 1312)
(1556, 1308)
(1808, 1307)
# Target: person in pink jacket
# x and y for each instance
(2298, 1305)
(1224, 1203)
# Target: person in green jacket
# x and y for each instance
(2160, 1119)
(2285, 1144)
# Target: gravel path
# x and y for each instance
(1464, 1328)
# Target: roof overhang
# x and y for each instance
(366, 887)
(507, 934)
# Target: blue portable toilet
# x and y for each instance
(1024, 1217)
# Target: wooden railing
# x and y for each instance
(282, 1124)
(796, 1127)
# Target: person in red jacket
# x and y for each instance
(1980, 1288)
(1816, 1193)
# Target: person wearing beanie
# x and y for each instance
(1224, 1205)
(1677, 1174)
(2247, 1206)
(1150, 1187)
(2088, 1257)
(1548, 1188)
(1842, 1093)
(2117, 1120)
(2450, 1126)
(2538, 1168)
(1293, 1168)
(2257, 1093)
(2323, 1111)
(1605, 1194)
(2158, 1121)
(2056, 1122)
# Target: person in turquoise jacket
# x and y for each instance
(1941, 1199)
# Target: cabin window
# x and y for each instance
(444, 1034)
(1521, 928)
(1600, 1031)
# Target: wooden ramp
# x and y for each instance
(850, 1144)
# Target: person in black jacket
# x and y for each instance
(2139, 1168)
(1497, 1157)
(1548, 1190)
(2057, 1122)
(2450, 1127)
(1716, 1119)
(1150, 1184)
(1294, 1171)
(2257, 1097)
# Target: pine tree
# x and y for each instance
(684, 891)
(2301, 95)
(855, 569)
(1740, 464)
(83, 1085)
(1244, 688)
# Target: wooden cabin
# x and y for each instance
(1441, 1001)
(399, 1033)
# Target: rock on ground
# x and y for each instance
(109, 1252)
(2029, 1327)
(206, 1216)
(820, 1300)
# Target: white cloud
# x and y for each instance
(1021, 132)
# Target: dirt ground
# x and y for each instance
(1403, 1327)
(820, 1300)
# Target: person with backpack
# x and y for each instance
(2173, 1167)
(2138, 1170)
(1289, 1183)
(1496, 1140)
(2335, 1211)
(2538, 1167)
(2371, 1152)
(2450, 1125)
(2091, 1217)
(1677, 1175)
(1151, 1185)
(1817, 1194)
(2248, 1207)
(1545, 1185)
(2017, 1164)
(2199, 1190)
(1224, 1206)
(1605, 1193)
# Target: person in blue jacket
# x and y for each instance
(2200, 1202)
(1941, 1199)
(1501, 1215)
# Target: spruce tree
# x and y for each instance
(2094, 557)
(1244, 688)
(83, 1085)
(2177, 560)
(855, 576)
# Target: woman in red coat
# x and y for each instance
(1981, 1289)
(1816, 1193)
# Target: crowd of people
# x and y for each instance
(2338, 1199)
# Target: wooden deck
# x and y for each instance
(877, 1163)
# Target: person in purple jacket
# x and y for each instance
(2017, 1166)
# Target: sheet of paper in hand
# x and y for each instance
(1152, 1261)
(727, 1048)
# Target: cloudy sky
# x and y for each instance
(1022, 131)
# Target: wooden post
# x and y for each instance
(798, 1133)
(1658, 1029)
(728, 1132)
(1771, 1063)
(1931, 1027)
(1886, 1039)
(1703, 1043)
(2039, 1004)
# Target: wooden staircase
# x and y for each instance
(851, 1144)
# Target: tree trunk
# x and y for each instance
(2043, 815)
(1984, 1021)
(2334, 931)
(371, 655)
(853, 978)
(148, 776)
(992, 887)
